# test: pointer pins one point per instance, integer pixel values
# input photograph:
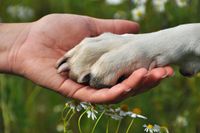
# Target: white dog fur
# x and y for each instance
(102, 60)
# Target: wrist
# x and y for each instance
(12, 36)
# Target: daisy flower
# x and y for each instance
(139, 2)
(159, 5)
(181, 3)
(151, 129)
(114, 2)
(136, 113)
(60, 127)
(113, 113)
(74, 105)
(122, 110)
(138, 12)
(20, 12)
(91, 113)
(181, 121)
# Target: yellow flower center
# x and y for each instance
(150, 126)
(124, 107)
(139, 13)
(137, 111)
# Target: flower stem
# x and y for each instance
(79, 121)
(64, 111)
(66, 122)
(107, 126)
(97, 121)
(165, 129)
(129, 127)
(64, 119)
(70, 117)
(119, 123)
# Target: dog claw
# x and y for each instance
(61, 61)
(63, 67)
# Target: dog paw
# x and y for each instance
(105, 60)
(79, 60)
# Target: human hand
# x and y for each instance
(50, 37)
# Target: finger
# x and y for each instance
(170, 71)
(68, 87)
(154, 77)
(108, 95)
(136, 82)
(115, 26)
(116, 92)
(151, 79)
(158, 74)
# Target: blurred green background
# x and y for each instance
(27, 108)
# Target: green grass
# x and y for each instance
(28, 108)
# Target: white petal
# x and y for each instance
(95, 111)
(93, 116)
(83, 105)
(122, 113)
(112, 110)
(146, 130)
(89, 113)
(156, 128)
(140, 116)
(78, 108)
(133, 115)
(117, 109)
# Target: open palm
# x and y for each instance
(50, 37)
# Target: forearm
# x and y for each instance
(11, 37)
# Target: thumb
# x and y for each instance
(115, 26)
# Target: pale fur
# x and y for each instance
(109, 56)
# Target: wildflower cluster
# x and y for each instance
(120, 113)
(88, 107)
(139, 10)
(155, 128)
(116, 113)
(20, 12)
(159, 5)
(114, 2)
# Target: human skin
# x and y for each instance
(32, 49)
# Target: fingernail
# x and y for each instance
(169, 76)
(164, 76)
(128, 90)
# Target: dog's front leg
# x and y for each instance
(101, 61)
(179, 45)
